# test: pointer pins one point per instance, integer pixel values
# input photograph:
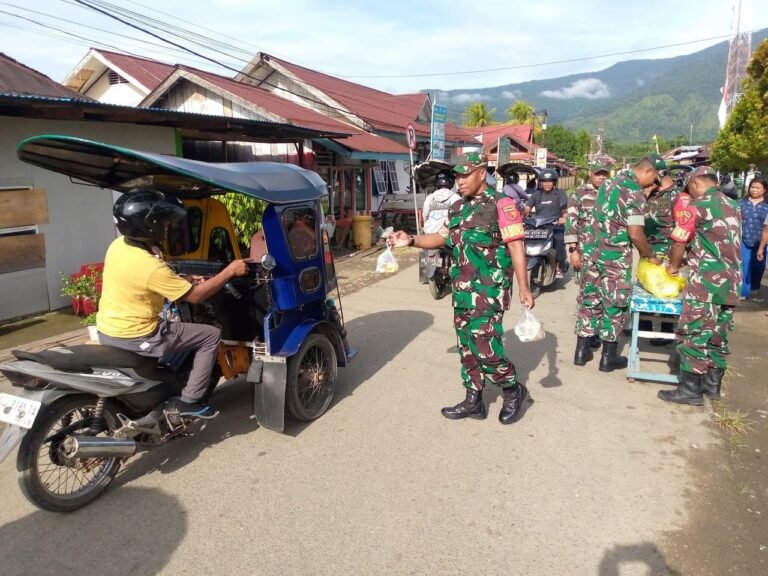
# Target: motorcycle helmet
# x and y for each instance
(548, 175)
(445, 180)
(513, 178)
(142, 214)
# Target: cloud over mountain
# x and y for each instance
(589, 88)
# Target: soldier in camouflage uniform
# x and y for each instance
(708, 231)
(485, 232)
(580, 239)
(619, 220)
(659, 223)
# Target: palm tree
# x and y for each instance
(520, 113)
(476, 115)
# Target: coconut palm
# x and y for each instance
(477, 115)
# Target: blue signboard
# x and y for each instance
(439, 115)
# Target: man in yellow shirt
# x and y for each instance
(137, 281)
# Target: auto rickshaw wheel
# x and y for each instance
(311, 378)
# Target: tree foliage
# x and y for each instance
(246, 213)
(743, 141)
(520, 113)
(570, 145)
(477, 115)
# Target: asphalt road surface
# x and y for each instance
(590, 481)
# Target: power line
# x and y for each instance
(540, 64)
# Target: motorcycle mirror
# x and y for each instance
(268, 262)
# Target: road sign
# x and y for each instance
(439, 116)
(410, 134)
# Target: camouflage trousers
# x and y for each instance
(608, 309)
(588, 301)
(702, 334)
(479, 335)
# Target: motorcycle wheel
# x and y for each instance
(311, 378)
(52, 482)
(536, 280)
(438, 286)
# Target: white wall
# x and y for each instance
(80, 227)
(123, 94)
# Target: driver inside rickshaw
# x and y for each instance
(137, 282)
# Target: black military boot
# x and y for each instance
(687, 392)
(472, 406)
(711, 381)
(583, 350)
(512, 406)
(610, 360)
(595, 342)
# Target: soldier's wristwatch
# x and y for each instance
(572, 249)
(411, 241)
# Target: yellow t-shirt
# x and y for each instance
(135, 286)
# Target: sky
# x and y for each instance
(399, 46)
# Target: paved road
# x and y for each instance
(588, 482)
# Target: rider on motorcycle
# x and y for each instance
(513, 189)
(551, 202)
(437, 204)
(137, 282)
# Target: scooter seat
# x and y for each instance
(85, 357)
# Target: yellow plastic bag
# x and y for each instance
(656, 280)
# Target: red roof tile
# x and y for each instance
(16, 78)
(367, 142)
(149, 73)
(384, 111)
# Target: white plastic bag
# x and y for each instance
(386, 262)
(528, 328)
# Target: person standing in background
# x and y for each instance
(754, 211)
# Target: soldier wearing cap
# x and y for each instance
(708, 233)
(659, 222)
(618, 222)
(580, 238)
(485, 232)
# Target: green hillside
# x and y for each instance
(635, 99)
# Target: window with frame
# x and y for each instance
(220, 248)
(386, 177)
(301, 229)
(184, 237)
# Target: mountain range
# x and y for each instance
(634, 100)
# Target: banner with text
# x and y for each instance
(439, 116)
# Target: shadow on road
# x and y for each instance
(233, 399)
(644, 553)
(133, 531)
(528, 355)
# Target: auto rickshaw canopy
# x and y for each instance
(124, 169)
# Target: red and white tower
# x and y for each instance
(739, 53)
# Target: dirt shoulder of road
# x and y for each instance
(727, 531)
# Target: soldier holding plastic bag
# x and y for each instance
(485, 232)
(708, 232)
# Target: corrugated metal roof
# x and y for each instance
(149, 73)
(16, 78)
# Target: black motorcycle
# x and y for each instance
(437, 266)
(540, 252)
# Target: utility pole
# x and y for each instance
(690, 141)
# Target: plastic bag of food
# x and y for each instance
(657, 281)
(528, 328)
(386, 262)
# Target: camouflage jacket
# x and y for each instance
(711, 227)
(578, 221)
(659, 219)
(619, 205)
(482, 264)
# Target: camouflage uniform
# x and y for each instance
(711, 228)
(478, 230)
(659, 219)
(619, 205)
(579, 230)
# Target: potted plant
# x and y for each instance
(84, 289)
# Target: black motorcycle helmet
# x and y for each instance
(548, 175)
(142, 214)
(445, 180)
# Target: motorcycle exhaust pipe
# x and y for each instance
(96, 447)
